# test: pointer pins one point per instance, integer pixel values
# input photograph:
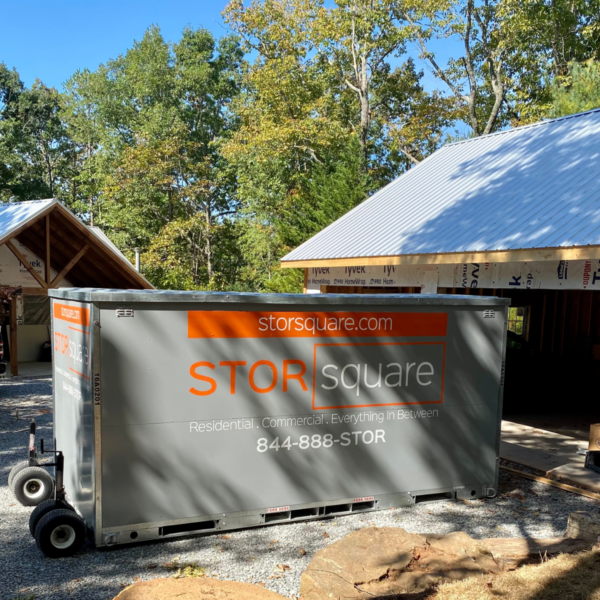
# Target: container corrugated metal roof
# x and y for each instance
(536, 186)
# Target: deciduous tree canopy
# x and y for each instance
(216, 157)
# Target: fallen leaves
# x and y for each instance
(326, 535)
(302, 552)
(283, 568)
(226, 537)
(190, 569)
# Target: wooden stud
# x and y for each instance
(554, 316)
(14, 356)
(563, 322)
(25, 263)
(543, 323)
(585, 321)
(573, 318)
(69, 266)
(47, 249)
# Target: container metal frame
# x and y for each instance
(100, 300)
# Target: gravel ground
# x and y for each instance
(523, 508)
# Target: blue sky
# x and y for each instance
(51, 39)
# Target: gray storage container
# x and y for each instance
(180, 412)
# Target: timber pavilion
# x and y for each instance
(43, 246)
(513, 214)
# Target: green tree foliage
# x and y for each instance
(322, 96)
(149, 125)
(216, 163)
(577, 91)
(35, 149)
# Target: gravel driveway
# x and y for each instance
(523, 508)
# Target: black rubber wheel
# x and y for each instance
(60, 533)
(16, 469)
(32, 486)
(43, 509)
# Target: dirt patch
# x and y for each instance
(566, 577)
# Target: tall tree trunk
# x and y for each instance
(365, 108)
(91, 202)
(208, 243)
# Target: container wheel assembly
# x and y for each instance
(41, 510)
(32, 485)
(29, 482)
(18, 468)
(57, 528)
(60, 532)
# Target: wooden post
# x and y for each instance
(305, 281)
(563, 322)
(48, 249)
(554, 314)
(14, 361)
(543, 323)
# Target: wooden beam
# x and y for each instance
(47, 278)
(452, 258)
(553, 483)
(305, 290)
(26, 291)
(69, 266)
(25, 263)
(14, 358)
(100, 247)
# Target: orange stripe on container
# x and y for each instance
(265, 324)
(72, 314)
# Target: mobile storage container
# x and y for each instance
(182, 412)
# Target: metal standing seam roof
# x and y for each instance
(14, 215)
(536, 186)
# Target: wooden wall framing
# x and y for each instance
(560, 322)
(69, 247)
